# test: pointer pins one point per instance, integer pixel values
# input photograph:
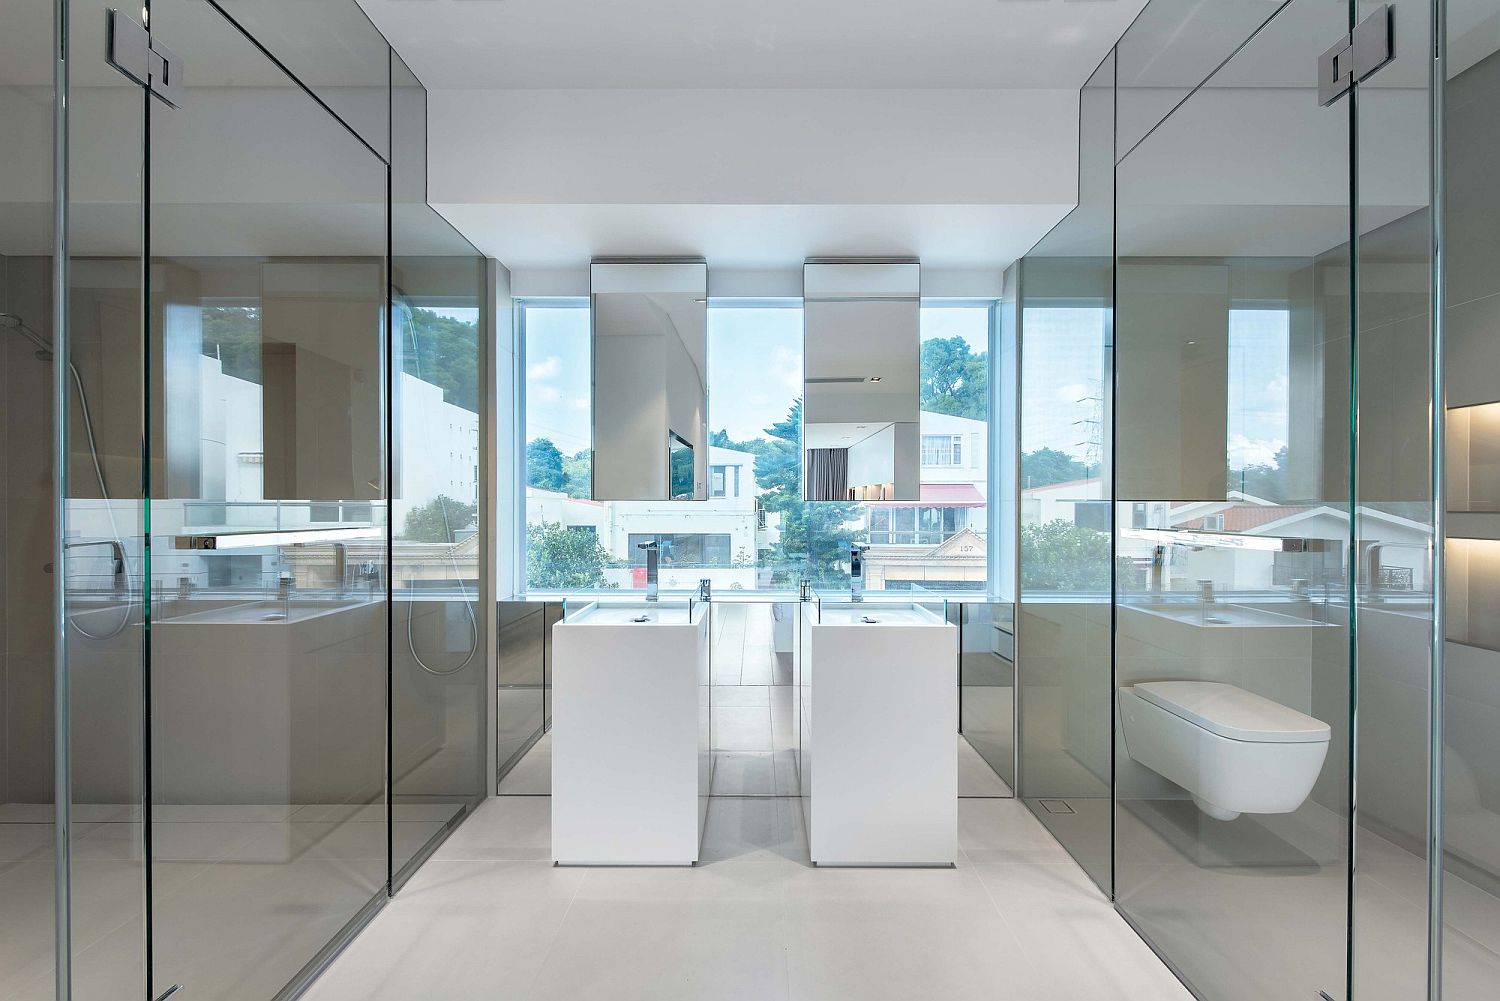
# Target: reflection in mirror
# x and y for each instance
(650, 337)
(861, 352)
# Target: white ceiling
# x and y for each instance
(753, 134)
(763, 43)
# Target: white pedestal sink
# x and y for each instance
(632, 742)
(879, 691)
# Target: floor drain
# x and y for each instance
(1056, 805)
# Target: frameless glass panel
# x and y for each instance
(438, 672)
(269, 663)
(334, 49)
(104, 564)
(1170, 48)
(987, 699)
(1232, 638)
(1471, 696)
(1063, 617)
(27, 501)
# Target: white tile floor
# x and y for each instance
(490, 918)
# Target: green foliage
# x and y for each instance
(955, 380)
(1265, 482)
(578, 472)
(232, 335)
(544, 465)
(445, 352)
(559, 557)
(439, 520)
(1046, 466)
(1061, 556)
(814, 535)
(439, 349)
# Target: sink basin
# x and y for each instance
(635, 613)
(878, 691)
(1223, 614)
(632, 733)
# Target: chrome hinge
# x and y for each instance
(1358, 54)
(143, 59)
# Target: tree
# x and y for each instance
(439, 520)
(578, 472)
(1259, 480)
(558, 557)
(444, 351)
(954, 379)
(544, 465)
(1061, 556)
(1046, 466)
(815, 535)
(232, 335)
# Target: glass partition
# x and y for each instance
(28, 503)
(439, 674)
(1232, 525)
(987, 698)
(1470, 817)
(270, 546)
(1062, 627)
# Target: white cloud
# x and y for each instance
(1245, 451)
(786, 366)
(1072, 392)
(545, 369)
(545, 394)
(580, 402)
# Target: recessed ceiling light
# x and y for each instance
(874, 378)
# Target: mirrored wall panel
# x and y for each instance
(650, 351)
(861, 432)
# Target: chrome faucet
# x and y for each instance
(116, 555)
(285, 585)
(857, 572)
(705, 589)
(651, 558)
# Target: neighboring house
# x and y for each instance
(939, 540)
(1395, 548)
(719, 538)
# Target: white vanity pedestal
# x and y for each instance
(880, 711)
(632, 750)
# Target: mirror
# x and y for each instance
(861, 349)
(650, 349)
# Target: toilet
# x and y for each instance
(1234, 751)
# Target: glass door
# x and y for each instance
(1233, 524)
(270, 544)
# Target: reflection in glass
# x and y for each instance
(269, 662)
(862, 369)
(650, 380)
(1471, 667)
(1232, 521)
(1062, 628)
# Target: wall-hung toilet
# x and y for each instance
(1234, 751)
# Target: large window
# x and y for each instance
(755, 531)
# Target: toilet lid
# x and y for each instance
(1233, 712)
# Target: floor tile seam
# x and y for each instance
(556, 936)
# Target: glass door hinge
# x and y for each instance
(1355, 56)
(143, 59)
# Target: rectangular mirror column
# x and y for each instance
(861, 432)
(650, 336)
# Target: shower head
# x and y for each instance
(11, 321)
